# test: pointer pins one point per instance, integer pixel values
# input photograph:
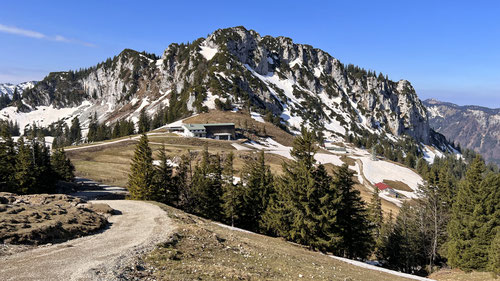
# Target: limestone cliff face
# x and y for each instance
(299, 84)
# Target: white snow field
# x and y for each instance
(208, 52)
(42, 115)
(378, 171)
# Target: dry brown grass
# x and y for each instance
(399, 185)
(202, 250)
(458, 275)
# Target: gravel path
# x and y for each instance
(103, 256)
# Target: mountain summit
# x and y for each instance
(237, 68)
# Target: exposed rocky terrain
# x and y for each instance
(473, 127)
(233, 68)
(43, 218)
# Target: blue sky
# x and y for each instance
(449, 50)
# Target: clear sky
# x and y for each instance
(449, 50)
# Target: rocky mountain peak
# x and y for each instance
(298, 84)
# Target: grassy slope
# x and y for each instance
(109, 164)
(202, 250)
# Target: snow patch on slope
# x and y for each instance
(378, 171)
(42, 116)
(207, 52)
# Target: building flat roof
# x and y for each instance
(194, 126)
(217, 124)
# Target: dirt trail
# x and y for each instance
(102, 256)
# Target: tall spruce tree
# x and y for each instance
(375, 214)
(166, 185)
(352, 218)
(232, 194)
(75, 133)
(290, 214)
(7, 160)
(256, 190)
(141, 177)
(25, 172)
(463, 250)
(62, 166)
(403, 249)
(207, 187)
(93, 125)
(144, 121)
(305, 206)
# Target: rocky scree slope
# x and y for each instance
(238, 68)
(473, 127)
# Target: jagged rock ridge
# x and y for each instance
(295, 82)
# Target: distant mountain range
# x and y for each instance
(8, 88)
(473, 127)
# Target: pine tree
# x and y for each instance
(7, 160)
(75, 134)
(289, 216)
(45, 179)
(325, 205)
(375, 214)
(494, 255)
(25, 173)
(62, 166)
(403, 249)
(144, 122)
(305, 207)
(141, 178)
(257, 180)
(92, 133)
(166, 185)
(352, 218)
(207, 187)
(183, 180)
(232, 195)
(462, 248)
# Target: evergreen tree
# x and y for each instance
(144, 122)
(232, 192)
(183, 180)
(256, 189)
(403, 249)
(207, 187)
(375, 214)
(75, 133)
(352, 218)
(305, 206)
(141, 178)
(290, 214)
(7, 160)
(494, 255)
(25, 173)
(463, 247)
(167, 186)
(62, 166)
(92, 133)
(45, 180)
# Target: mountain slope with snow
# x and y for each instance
(473, 127)
(294, 84)
(8, 89)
